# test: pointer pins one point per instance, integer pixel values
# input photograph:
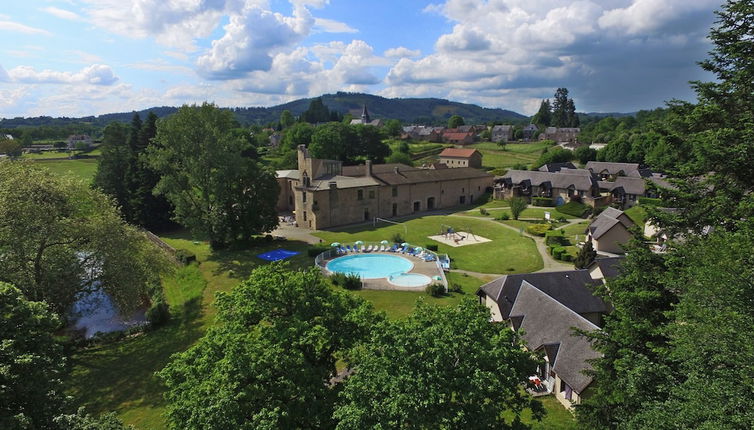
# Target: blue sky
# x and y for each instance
(89, 57)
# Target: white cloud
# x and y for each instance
(331, 26)
(3, 75)
(96, 74)
(250, 41)
(21, 28)
(61, 13)
(402, 52)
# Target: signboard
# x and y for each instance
(547, 216)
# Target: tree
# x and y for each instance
(517, 206)
(269, 360)
(455, 121)
(113, 165)
(299, 133)
(32, 363)
(83, 421)
(210, 175)
(10, 147)
(442, 367)
(564, 110)
(333, 142)
(317, 112)
(554, 154)
(586, 256)
(286, 119)
(369, 144)
(573, 118)
(59, 237)
(400, 158)
(393, 127)
(585, 154)
(543, 117)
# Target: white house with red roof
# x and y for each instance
(461, 157)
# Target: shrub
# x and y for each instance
(538, 229)
(517, 206)
(504, 216)
(397, 238)
(184, 256)
(566, 257)
(543, 201)
(456, 288)
(431, 247)
(349, 281)
(576, 209)
(557, 252)
(649, 201)
(435, 290)
(158, 314)
(555, 237)
(483, 211)
(315, 250)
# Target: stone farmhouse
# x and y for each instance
(609, 230)
(324, 193)
(546, 307)
(529, 132)
(461, 157)
(458, 137)
(79, 139)
(501, 133)
(560, 134)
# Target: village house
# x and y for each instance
(430, 134)
(609, 231)
(556, 167)
(328, 194)
(461, 157)
(529, 132)
(560, 134)
(546, 307)
(605, 268)
(561, 187)
(608, 170)
(79, 140)
(458, 137)
(501, 133)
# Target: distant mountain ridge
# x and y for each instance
(407, 110)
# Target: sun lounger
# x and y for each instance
(348, 248)
(382, 248)
(393, 248)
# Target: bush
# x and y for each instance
(555, 237)
(184, 256)
(349, 281)
(435, 290)
(575, 209)
(566, 257)
(158, 314)
(397, 238)
(504, 216)
(431, 247)
(315, 250)
(456, 288)
(557, 252)
(483, 211)
(543, 201)
(517, 206)
(649, 201)
(538, 229)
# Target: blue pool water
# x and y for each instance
(370, 266)
(409, 280)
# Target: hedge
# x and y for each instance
(431, 247)
(185, 256)
(649, 201)
(315, 250)
(555, 237)
(575, 209)
(543, 201)
(538, 229)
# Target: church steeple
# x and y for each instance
(365, 116)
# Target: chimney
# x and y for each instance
(395, 169)
(369, 168)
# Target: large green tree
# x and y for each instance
(455, 121)
(211, 174)
(369, 144)
(59, 237)
(32, 363)
(114, 164)
(334, 141)
(543, 117)
(563, 110)
(441, 368)
(269, 361)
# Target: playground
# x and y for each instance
(451, 237)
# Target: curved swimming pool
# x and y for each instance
(409, 280)
(370, 266)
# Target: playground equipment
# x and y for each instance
(449, 232)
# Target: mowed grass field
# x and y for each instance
(507, 252)
(495, 157)
(83, 168)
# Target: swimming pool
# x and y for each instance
(370, 266)
(409, 280)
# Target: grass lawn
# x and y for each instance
(557, 418)
(45, 155)
(82, 168)
(637, 214)
(530, 212)
(507, 252)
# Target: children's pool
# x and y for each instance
(370, 266)
(409, 280)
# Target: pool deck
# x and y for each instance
(428, 268)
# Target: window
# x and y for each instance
(463, 190)
(304, 193)
(304, 215)
(417, 206)
(395, 191)
(371, 194)
(360, 195)
(462, 200)
(395, 209)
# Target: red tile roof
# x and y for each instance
(458, 152)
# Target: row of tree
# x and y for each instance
(561, 113)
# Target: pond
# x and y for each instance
(95, 312)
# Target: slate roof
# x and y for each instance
(458, 152)
(323, 182)
(360, 170)
(457, 135)
(415, 176)
(612, 168)
(609, 266)
(547, 323)
(570, 287)
(289, 174)
(605, 221)
(556, 180)
(556, 167)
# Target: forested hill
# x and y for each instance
(427, 111)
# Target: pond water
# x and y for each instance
(95, 312)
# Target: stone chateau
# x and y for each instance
(324, 193)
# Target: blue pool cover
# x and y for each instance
(277, 254)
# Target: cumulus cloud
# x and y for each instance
(96, 74)
(250, 40)
(402, 52)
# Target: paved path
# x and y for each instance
(296, 233)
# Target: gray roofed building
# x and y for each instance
(609, 231)
(570, 288)
(605, 267)
(548, 325)
(561, 187)
(501, 133)
(606, 168)
(557, 167)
